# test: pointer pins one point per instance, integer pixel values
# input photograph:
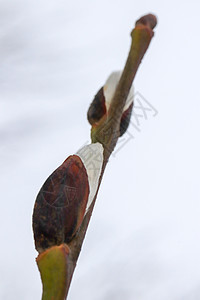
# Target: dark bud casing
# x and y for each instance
(60, 205)
(125, 120)
(97, 108)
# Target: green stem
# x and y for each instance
(54, 270)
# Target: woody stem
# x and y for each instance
(141, 38)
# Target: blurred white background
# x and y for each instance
(143, 238)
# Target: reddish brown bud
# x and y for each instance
(125, 120)
(147, 20)
(97, 108)
(60, 205)
(101, 103)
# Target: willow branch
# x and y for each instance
(105, 131)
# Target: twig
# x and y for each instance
(106, 132)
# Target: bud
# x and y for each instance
(66, 196)
(101, 103)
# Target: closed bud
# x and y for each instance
(65, 197)
(101, 103)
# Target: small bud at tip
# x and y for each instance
(148, 20)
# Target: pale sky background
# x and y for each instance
(143, 238)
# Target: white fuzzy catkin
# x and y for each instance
(92, 158)
(110, 87)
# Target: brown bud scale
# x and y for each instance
(125, 120)
(97, 108)
(60, 205)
